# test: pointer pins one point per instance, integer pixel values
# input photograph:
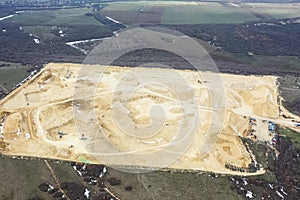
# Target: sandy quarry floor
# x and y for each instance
(114, 116)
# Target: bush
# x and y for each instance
(114, 181)
(44, 187)
(128, 188)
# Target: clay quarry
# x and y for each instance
(55, 115)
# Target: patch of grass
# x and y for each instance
(182, 12)
(265, 156)
(64, 171)
(66, 174)
(269, 177)
(84, 160)
(289, 88)
(292, 135)
(261, 154)
(160, 3)
(288, 63)
(31, 18)
(179, 12)
(74, 20)
(11, 76)
(168, 185)
(290, 81)
(201, 14)
(282, 63)
(20, 179)
(260, 151)
(123, 7)
(72, 16)
(220, 55)
(44, 32)
(279, 12)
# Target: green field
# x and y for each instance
(292, 135)
(278, 63)
(20, 179)
(43, 32)
(202, 14)
(168, 185)
(176, 12)
(74, 16)
(12, 75)
(65, 173)
(289, 89)
(279, 12)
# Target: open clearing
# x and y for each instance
(29, 173)
(37, 119)
(74, 16)
(176, 12)
(13, 74)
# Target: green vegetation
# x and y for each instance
(290, 82)
(128, 4)
(269, 177)
(84, 160)
(203, 14)
(179, 12)
(20, 179)
(72, 16)
(251, 39)
(44, 32)
(19, 46)
(292, 135)
(74, 20)
(265, 157)
(281, 63)
(279, 12)
(168, 185)
(289, 88)
(12, 75)
(64, 172)
(122, 6)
